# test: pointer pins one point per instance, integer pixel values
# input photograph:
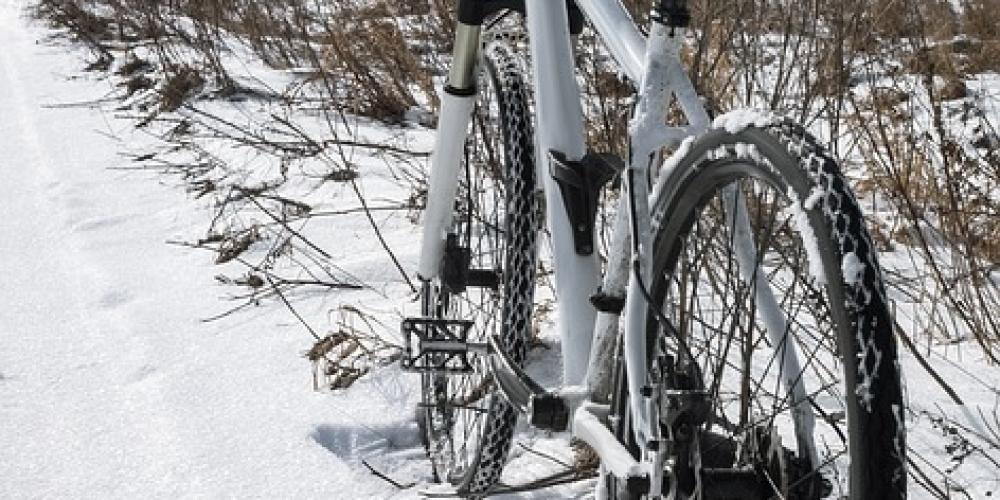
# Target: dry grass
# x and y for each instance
(818, 61)
(886, 80)
(377, 56)
(365, 45)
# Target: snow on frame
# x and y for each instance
(738, 120)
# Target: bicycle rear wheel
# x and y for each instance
(766, 279)
(467, 425)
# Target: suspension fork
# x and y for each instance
(457, 102)
(560, 135)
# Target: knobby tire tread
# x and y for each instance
(788, 153)
(506, 84)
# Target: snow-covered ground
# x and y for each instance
(112, 386)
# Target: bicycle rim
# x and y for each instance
(469, 425)
(741, 334)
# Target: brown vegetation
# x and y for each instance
(888, 78)
(891, 83)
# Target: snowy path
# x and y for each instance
(109, 384)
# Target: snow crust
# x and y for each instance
(852, 268)
(671, 163)
(738, 120)
(815, 196)
(799, 217)
(112, 385)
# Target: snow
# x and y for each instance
(588, 426)
(737, 120)
(852, 268)
(111, 386)
(815, 196)
(800, 218)
(673, 160)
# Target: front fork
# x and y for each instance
(457, 102)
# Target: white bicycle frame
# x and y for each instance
(588, 337)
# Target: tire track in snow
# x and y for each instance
(111, 388)
(70, 424)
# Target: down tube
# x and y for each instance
(560, 128)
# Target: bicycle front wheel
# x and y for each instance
(765, 278)
(466, 424)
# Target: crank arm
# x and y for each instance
(545, 410)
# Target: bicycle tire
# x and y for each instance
(467, 424)
(793, 190)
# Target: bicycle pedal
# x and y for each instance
(433, 345)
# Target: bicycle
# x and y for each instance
(737, 343)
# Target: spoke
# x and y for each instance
(459, 404)
(717, 310)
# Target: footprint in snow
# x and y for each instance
(143, 373)
(114, 299)
(358, 441)
(100, 223)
